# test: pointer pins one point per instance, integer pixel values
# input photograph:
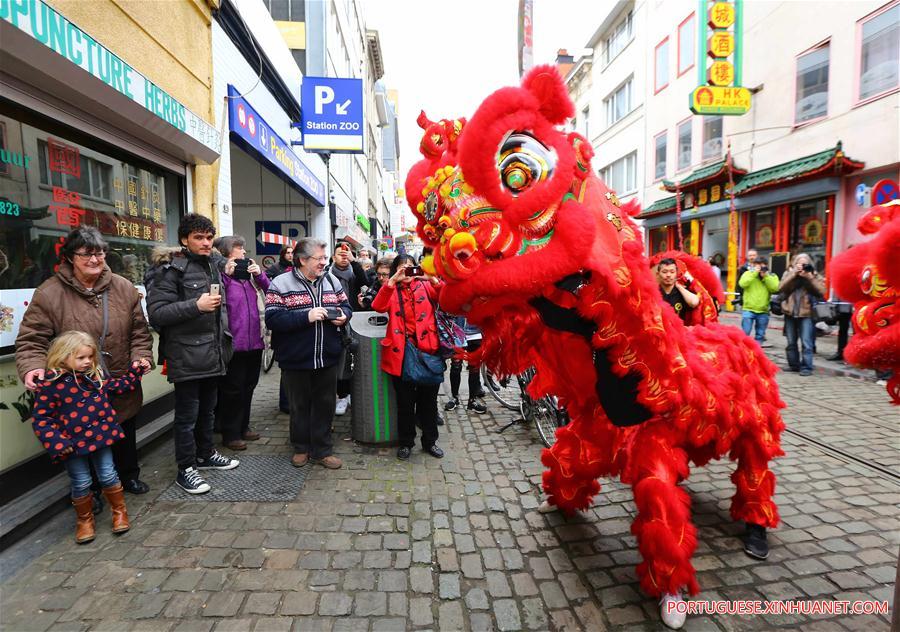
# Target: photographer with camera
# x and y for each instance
(758, 285)
(304, 311)
(801, 288)
(245, 284)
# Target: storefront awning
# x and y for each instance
(715, 171)
(829, 162)
(659, 207)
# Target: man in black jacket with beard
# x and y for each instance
(186, 306)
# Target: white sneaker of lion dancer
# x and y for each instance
(671, 613)
(545, 507)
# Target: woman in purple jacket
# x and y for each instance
(245, 286)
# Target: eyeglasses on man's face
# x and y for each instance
(322, 258)
(87, 256)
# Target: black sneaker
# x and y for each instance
(477, 406)
(190, 481)
(434, 451)
(452, 403)
(755, 543)
(403, 453)
(217, 462)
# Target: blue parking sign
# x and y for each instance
(332, 114)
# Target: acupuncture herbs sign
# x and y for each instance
(719, 90)
(47, 26)
(332, 115)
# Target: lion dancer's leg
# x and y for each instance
(579, 456)
(755, 483)
(665, 534)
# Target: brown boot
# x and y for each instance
(115, 496)
(84, 523)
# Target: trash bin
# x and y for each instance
(374, 409)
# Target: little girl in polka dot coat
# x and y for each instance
(76, 424)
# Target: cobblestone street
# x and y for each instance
(457, 544)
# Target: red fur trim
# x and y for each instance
(547, 86)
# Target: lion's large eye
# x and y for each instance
(522, 161)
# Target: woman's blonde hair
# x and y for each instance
(67, 344)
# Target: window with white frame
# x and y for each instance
(621, 175)
(712, 137)
(617, 40)
(661, 66)
(812, 85)
(879, 58)
(618, 104)
(585, 117)
(662, 145)
(687, 45)
(684, 145)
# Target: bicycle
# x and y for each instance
(268, 357)
(545, 413)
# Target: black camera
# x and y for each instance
(333, 313)
(808, 267)
(240, 269)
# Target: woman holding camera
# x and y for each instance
(800, 288)
(244, 285)
(409, 298)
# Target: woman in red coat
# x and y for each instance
(410, 302)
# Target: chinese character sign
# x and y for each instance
(719, 91)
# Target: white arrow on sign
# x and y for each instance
(324, 96)
(342, 108)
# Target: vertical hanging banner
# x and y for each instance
(719, 89)
(526, 36)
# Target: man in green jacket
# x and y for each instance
(758, 285)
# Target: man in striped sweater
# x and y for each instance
(303, 311)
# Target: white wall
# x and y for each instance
(229, 66)
(626, 135)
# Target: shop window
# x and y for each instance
(762, 232)
(135, 206)
(618, 39)
(812, 85)
(684, 144)
(687, 44)
(621, 175)
(808, 222)
(659, 239)
(712, 137)
(661, 66)
(618, 104)
(659, 170)
(879, 55)
(4, 148)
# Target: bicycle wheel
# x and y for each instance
(268, 358)
(548, 417)
(505, 390)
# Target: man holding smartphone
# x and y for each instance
(304, 311)
(185, 305)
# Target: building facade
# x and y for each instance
(819, 145)
(104, 121)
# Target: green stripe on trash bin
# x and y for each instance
(375, 373)
(387, 406)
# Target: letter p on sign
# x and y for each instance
(324, 96)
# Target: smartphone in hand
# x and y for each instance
(333, 313)
(414, 271)
(214, 289)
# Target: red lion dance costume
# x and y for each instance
(539, 253)
(869, 274)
